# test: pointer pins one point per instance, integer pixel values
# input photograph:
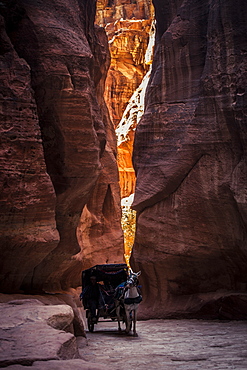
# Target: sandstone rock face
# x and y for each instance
(128, 41)
(109, 11)
(127, 25)
(70, 298)
(27, 195)
(31, 331)
(129, 28)
(190, 157)
(125, 132)
(99, 233)
(56, 62)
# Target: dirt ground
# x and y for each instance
(168, 344)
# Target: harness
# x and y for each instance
(132, 281)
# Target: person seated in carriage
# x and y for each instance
(98, 288)
(91, 297)
(96, 297)
(120, 289)
(107, 292)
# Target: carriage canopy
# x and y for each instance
(108, 273)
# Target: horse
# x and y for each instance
(128, 302)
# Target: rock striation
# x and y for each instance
(27, 195)
(128, 42)
(32, 331)
(110, 10)
(125, 133)
(129, 27)
(38, 331)
(190, 158)
(56, 140)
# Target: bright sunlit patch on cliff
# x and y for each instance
(130, 29)
(128, 225)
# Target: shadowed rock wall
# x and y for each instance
(190, 159)
(28, 229)
(99, 232)
(56, 63)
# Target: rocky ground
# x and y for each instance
(35, 334)
(169, 344)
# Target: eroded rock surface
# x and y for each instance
(32, 331)
(190, 157)
(27, 195)
(129, 27)
(125, 132)
(128, 41)
(70, 298)
(54, 133)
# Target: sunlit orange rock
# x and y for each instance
(127, 26)
(125, 133)
(130, 34)
(128, 42)
(128, 225)
(190, 159)
(108, 11)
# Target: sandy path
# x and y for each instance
(169, 344)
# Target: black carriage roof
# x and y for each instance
(112, 272)
(108, 267)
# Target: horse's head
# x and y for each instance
(133, 278)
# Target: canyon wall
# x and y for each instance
(58, 150)
(128, 25)
(191, 163)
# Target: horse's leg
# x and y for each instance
(118, 316)
(127, 311)
(134, 322)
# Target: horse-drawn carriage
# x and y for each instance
(103, 281)
(110, 292)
